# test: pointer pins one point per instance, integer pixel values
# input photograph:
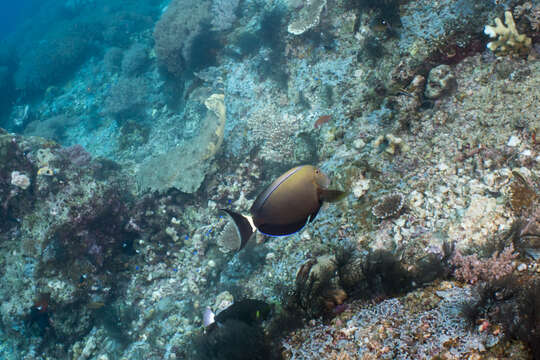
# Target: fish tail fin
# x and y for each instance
(332, 195)
(208, 317)
(244, 225)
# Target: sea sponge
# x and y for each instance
(508, 39)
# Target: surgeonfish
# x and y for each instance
(287, 204)
(248, 311)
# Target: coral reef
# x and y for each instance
(391, 144)
(224, 14)
(20, 180)
(530, 12)
(186, 173)
(508, 305)
(134, 60)
(127, 97)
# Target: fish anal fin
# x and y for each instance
(314, 215)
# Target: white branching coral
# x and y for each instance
(508, 39)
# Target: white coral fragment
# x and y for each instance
(20, 180)
(508, 38)
(308, 17)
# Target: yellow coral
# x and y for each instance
(508, 39)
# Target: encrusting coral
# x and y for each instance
(508, 39)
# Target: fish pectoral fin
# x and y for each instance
(332, 195)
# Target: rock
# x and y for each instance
(513, 141)
(185, 166)
(441, 80)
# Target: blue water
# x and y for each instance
(13, 13)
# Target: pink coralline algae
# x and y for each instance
(470, 268)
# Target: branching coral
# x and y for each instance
(508, 39)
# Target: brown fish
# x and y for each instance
(287, 204)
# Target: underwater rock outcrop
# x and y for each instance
(185, 166)
(66, 240)
(307, 18)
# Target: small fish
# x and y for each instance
(322, 120)
(95, 305)
(249, 311)
(287, 204)
(379, 24)
(47, 171)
